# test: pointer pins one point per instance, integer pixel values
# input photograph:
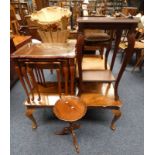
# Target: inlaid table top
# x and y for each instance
(46, 50)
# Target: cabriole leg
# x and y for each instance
(117, 115)
(29, 114)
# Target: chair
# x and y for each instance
(138, 47)
(14, 25)
(98, 40)
(40, 91)
(99, 88)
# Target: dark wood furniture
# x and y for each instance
(138, 47)
(70, 109)
(13, 74)
(129, 11)
(39, 4)
(30, 63)
(96, 87)
(140, 61)
(20, 40)
(98, 40)
(21, 9)
(16, 41)
(14, 25)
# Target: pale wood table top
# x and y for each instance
(20, 40)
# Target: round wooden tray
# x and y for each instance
(69, 108)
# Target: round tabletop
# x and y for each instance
(69, 108)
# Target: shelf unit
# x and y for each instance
(21, 9)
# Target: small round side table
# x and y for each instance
(70, 109)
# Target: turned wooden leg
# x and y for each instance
(117, 115)
(29, 114)
(70, 130)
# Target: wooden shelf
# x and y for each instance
(98, 76)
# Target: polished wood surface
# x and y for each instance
(69, 108)
(98, 75)
(112, 20)
(93, 62)
(106, 19)
(99, 95)
(99, 39)
(96, 35)
(46, 50)
(20, 40)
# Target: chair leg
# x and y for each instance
(138, 62)
(29, 114)
(117, 115)
(141, 64)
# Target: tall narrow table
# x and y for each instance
(117, 24)
(110, 23)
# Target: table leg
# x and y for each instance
(118, 38)
(127, 57)
(18, 70)
(65, 73)
(72, 72)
